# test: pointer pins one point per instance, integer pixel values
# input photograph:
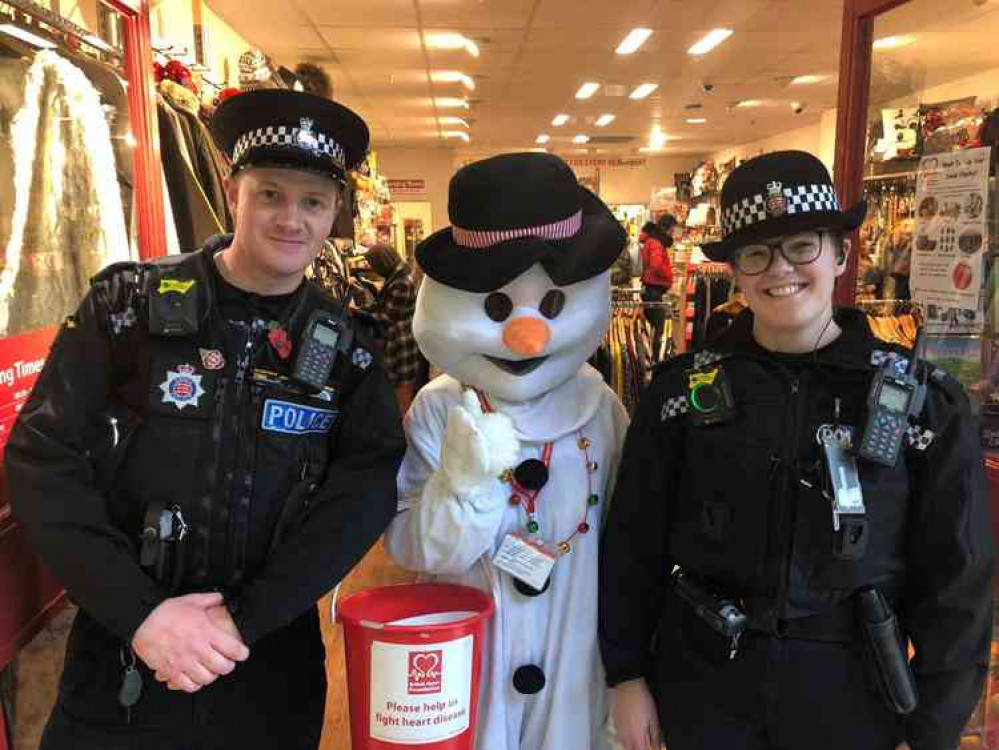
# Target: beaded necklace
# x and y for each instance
(527, 498)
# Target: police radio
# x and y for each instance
(894, 398)
(709, 396)
(324, 336)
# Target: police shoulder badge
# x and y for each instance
(182, 387)
(362, 358)
(776, 200)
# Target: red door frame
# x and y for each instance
(29, 595)
(142, 111)
(851, 115)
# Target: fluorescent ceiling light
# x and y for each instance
(452, 121)
(581, 138)
(539, 150)
(892, 42)
(560, 120)
(807, 80)
(711, 40)
(657, 139)
(450, 102)
(453, 41)
(587, 90)
(643, 90)
(453, 76)
(26, 36)
(696, 120)
(633, 41)
(750, 103)
(543, 138)
(604, 120)
(457, 134)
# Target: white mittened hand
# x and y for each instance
(478, 447)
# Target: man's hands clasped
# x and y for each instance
(190, 641)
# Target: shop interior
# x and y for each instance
(106, 156)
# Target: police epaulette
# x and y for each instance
(105, 274)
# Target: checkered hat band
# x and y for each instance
(801, 199)
(282, 136)
(480, 239)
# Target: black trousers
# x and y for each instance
(655, 315)
(275, 699)
(778, 694)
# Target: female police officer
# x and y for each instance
(194, 473)
(763, 524)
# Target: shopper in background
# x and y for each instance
(657, 272)
(733, 467)
(394, 309)
(194, 498)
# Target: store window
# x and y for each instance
(930, 241)
(929, 179)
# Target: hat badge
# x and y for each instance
(306, 137)
(776, 201)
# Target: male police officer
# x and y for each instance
(196, 475)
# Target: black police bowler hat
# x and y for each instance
(512, 211)
(284, 129)
(781, 193)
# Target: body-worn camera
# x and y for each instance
(709, 396)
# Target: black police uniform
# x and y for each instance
(283, 493)
(739, 507)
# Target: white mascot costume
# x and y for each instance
(512, 452)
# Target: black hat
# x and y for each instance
(512, 211)
(781, 193)
(290, 130)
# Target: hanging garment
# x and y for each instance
(192, 212)
(68, 220)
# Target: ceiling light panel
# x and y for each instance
(633, 41)
(643, 90)
(711, 40)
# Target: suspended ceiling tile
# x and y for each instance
(507, 14)
(363, 14)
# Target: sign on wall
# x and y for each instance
(406, 187)
(951, 236)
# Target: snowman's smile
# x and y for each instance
(517, 367)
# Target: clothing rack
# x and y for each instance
(897, 306)
(896, 176)
(709, 269)
(622, 303)
(55, 22)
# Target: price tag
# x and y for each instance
(527, 559)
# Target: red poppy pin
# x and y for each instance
(279, 340)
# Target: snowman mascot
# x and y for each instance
(512, 452)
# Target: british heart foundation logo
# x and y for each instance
(426, 669)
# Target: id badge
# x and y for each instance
(529, 560)
(848, 496)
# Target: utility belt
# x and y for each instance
(716, 625)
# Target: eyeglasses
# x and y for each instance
(798, 250)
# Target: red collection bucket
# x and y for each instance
(414, 658)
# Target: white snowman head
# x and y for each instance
(517, 293)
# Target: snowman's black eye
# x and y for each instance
(498, 306)
(551, 306)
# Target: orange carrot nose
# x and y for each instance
(527, 337)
